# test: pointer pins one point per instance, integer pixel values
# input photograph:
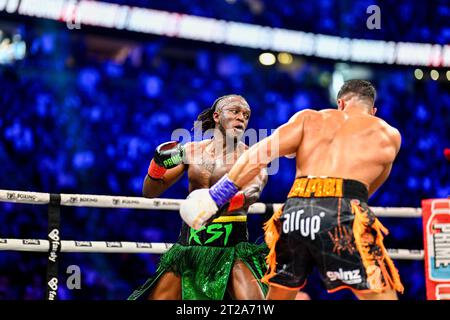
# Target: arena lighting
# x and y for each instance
(11, 49)
(448, 75)
(343, 72)
(336, 83)
(267, 58)
(418, 73)
(122, 17)
(285, 58)
(434, 75)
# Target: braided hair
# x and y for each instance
(205, 119)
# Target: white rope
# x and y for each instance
(99, 201)
(406, 254)
(398, 212)
(89, 200)
(24, 197)
(39, 245)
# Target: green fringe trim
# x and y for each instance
(205, 270)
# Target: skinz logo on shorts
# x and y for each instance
(308, 226)
(348, 277)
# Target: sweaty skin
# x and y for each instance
(334, 143)
(205, 169)
(349, 143)
(206, 162)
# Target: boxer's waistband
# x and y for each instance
(321, 187)
(224, 231)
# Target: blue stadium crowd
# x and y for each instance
(401, 20)
(71, 122)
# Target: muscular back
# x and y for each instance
(334, 143)
(353, 146)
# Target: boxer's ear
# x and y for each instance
(340, 104)
(374, 110)
(216, 116)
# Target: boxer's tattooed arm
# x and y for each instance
(152, 188)
(209, 166)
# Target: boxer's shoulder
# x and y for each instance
(308, 113)
(195, 145)
(194, 150)
(327, 112)
(303, 116)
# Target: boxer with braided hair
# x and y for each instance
(217, 260)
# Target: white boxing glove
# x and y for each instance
(198, 208)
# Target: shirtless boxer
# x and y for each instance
(206, 263)
(342, 157)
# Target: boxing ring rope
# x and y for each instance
(121, 202)
(40, 245)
